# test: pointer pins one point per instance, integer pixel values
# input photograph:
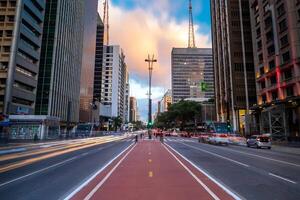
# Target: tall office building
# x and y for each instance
(126, 97)
(132, 110)
(88, 61)
(21, 28)
(114, 76)
(59, 76)
(192, 74)
(166, 101)
(276, 43)
(98, 59)
(233, 61)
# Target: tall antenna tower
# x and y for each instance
(106, 22)
(191, 27)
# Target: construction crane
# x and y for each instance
(106, 22)
(191, 27)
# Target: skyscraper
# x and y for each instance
(276, 43)
(88, 61)
(114, 81)
(233, 61)
(192, 74)
(132, 110)
(20, 45)
(98, 59)
(59, 76)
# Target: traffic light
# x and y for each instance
(203, 86)
(149, 125)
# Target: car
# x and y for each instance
(203, 137)
(259, 141)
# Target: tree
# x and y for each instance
(117, 122)
(180, 115)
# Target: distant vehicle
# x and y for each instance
(173, 133)
(84, 130)
(215, 133)
(259, 141)
(236, 139)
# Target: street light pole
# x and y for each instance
(150, 62)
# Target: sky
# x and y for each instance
(143, 27)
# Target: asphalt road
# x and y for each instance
(52, 171)
(250, 173)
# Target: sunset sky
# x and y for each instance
(142, 26)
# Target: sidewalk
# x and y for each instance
(150, 172)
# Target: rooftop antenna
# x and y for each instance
(191, 27)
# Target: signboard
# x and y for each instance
(22, 110)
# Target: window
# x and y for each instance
(286, 57)
(259, 45)
(264, 98)
(282, 25)
(280, 10)
(271, 50)
(2, 18)
(288, 74)
(274, 95)
(268, 22)
(284, 41)
(289, 91)
(258, 32)
(269, 36)
(263, 85)
(272, 64)
(262, 70)
(260, 58)
(273, 80)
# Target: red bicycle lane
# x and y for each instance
(150, 171)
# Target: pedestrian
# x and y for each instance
(136, 138)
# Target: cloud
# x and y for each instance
(140, 91)
(149, 29)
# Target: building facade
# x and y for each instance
(61, 58)
(88, 61)
(276, 43)
(192, 73)
(132, 110)
(21, 28)
(234, 75)
(114, 81)
(98, 59)
(166, 101)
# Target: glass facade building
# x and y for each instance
(58, 91)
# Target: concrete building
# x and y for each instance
(114, 76)
(192, 73)
(133, 110)
(166, 101)
(88, 61)
(233, 61)
(60, 67)
(158, 107)
(126, 97)
(21, 28)
(276, 43)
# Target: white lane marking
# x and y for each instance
(51, 166)
(95, 174)
(91, 194)
(194, 176)
(280, 177)
(272, 159)
(38, 171)
(228, 191)
(217, 155)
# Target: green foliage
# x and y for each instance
(117, 122)
(179, 115)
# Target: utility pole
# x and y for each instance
(150, 62)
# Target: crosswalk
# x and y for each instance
(179, 140)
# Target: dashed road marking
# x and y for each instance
(282, 178)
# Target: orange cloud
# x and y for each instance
(142, 31)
